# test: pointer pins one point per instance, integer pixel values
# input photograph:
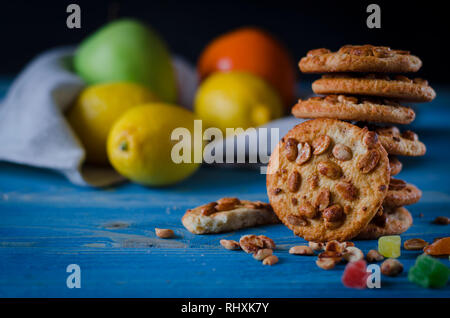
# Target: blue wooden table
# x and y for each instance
(46, 223)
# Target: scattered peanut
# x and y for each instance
(353, 254)
(326, 263)
(252, 243)
(262, 254)
(334, 246)
(373, 256)
(335, 256)
(316, 246)
(442, 220)
(270, 260)
(415, 244)
(164, 233)
(230, 244)
(301, 250)
(391, 267)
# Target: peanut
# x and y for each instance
(230, 244)
(164, 233)
(270, 260)
(301, 250)
(262, 254)
(391, 267)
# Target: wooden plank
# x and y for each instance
(47, 223)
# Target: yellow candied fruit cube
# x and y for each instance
(389, 246)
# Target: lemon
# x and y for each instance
(97, 108)
(236, 99)
(140, 144)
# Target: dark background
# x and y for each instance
(29, 27)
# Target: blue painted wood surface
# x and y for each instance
(46, 224)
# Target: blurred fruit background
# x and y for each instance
(255, 51)
(241, 55)
(97, 108)
(188, 26)
(247, 79)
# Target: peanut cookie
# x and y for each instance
(401, 193)
(327, 179)
(401, 144)
(398, 87)
(228, 214)
(395, 165)
(352, 108)
(360, 58)
(392, 221)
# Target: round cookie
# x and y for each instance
(401, 144)
(401, 193)
(399, 87)
(327, 179)
(360, 58)
(393, 221)
(395, 165)
(353, 109)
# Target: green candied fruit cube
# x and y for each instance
(389, 246)
(416, 275)
(429, 272)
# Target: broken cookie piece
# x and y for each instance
(228, 214)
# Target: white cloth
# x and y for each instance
(34, 131)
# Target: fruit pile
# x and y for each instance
(126, 115)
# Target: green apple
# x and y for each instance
(127, 50)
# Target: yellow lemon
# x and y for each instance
(141, 146)
(236, 99)
(97, 108)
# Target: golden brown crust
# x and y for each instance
(360, 58)
(398, 221)
(354, 109)
(395, 165)
(399, 87)
(228, 214)
(330, 198)
(401, 193)
(405, 143)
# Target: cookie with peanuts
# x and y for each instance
(398, 87)
(391, 221)
(327, 179)
(395, 165)
(354, 108)
(401, 193)
(360, 58)
(228, 214)
(405, 143)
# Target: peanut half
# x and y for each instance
(164, 233)
(270, 260)
(230, 244)
(301, 250)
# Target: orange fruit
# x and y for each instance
(255, 51)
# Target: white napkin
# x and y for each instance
(34, 131)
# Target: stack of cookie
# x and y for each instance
(341, 178)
